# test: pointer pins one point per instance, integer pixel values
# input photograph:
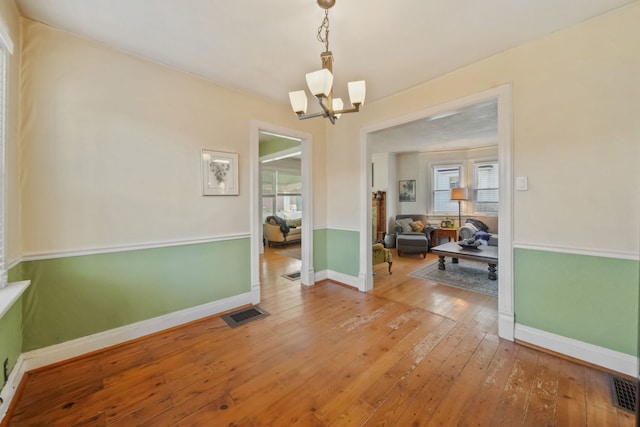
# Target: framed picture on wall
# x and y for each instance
(407, 190)
(219, 173)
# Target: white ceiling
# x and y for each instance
(468, 127)
(266, 47)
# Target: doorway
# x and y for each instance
(293, 144)
(502, 96)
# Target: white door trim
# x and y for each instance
(307, 270)
(502, 93)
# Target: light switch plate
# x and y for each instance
(522, 183)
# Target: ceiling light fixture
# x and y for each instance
(320, 82)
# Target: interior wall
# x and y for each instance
(11, 322)
(575, 131)
(113, 136)
(111, 149)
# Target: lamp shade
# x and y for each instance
(320, 82)
(357, 92)
(298, 101)
(459, 194)
(337, 105)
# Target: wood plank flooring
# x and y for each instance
(409, 353)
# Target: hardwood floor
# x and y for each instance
(409, 353)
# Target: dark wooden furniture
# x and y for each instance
(449, 233)
(379, 215)
(483, 253)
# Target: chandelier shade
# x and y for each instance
(357, 92)
(298, 101)
(337, 106)
(320, 82)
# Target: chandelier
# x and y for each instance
(320, 82)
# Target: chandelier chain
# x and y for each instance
(325, 26)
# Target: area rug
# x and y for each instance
(291, 253)
(469, 275)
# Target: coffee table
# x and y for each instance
(483, 253)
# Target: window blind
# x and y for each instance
(444, 179)
(486, 179)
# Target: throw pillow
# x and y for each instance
(417, 225)
(405, 224)
(472, 227)
(478, 224)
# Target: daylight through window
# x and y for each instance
(444, 179)
(486, 177)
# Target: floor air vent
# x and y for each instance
(624, 393)
(292, 276)
(243, 316)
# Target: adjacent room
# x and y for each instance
(418, 168)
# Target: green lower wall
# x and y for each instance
(341, 249)
(11, 328)
(10, 337)
(588, 298)
(78, 296)
(320, 249)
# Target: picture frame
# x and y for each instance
(219, 173)
(407, 190)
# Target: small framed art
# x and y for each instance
(219, 173)
(407, 190)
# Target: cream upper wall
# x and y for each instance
(576, 96)
(111, 147)
(11, 18)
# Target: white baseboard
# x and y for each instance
(339, 277)
(505, 326)
(9, 389)
(600, 356)
(66, 350)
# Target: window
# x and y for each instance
(444, 179)
(485, 178)
(281, 194)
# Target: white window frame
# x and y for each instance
(3, 180)
(476, 165)
(434, 168)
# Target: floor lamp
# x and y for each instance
(459, 194)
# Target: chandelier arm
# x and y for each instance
(302, 116)
(328, 112)
(355, 109)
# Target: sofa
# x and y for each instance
(281, 232)
(483, 228)
(413, 234)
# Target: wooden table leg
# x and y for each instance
(492, 272)
(440, 262)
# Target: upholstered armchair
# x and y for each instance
(410, 239)
(381, 254)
